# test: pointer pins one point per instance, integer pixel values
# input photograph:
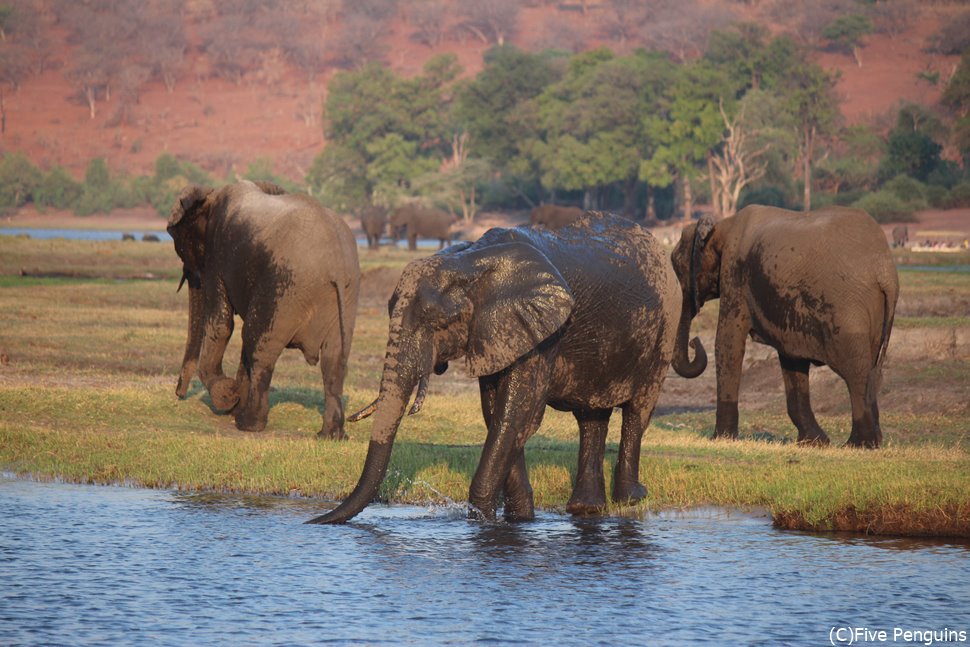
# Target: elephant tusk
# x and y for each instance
(419, 398)
(181, 283)
(365, 412)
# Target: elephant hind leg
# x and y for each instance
(589, 492)
(794, 373)
(866, 431)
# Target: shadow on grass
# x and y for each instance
(306, 397)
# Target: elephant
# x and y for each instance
(818, 287)
(900, 235)
(284, 264)
(554, 216)
(582, 320)
(373, 220)
(424, 222)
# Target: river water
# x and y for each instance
(109, 565)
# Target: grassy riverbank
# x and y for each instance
(89, 358)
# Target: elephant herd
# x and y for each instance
(585, 317)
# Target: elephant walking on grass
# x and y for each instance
(819, 287)
(373, 220)
(582, 320)
(414, 221)
(284, 264)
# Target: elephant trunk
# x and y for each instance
(681, 362)
(397, 384)
(193, 342)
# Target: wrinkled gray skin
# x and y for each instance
(554, 216)
(373, 220)
(582, 320)
(415, 221)
(285, 265)
(819, 287)
(900, 235)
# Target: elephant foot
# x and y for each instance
(519, 508)
(628, 492)
(728, 434)
(481, 511)
(250, 421)
(224, 394)
(814, 440)
(861, 444)
(334, 433)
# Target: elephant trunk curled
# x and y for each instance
(683, 365)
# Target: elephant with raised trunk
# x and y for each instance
(582, 320)
(285, 265)
(819, 287)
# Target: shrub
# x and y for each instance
(18, 181)
(771, 196)
(959, 196)
(910, 190)
(937, 196)
(58, 190)
(885, 206)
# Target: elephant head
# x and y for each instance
(187, 226)
(696, 260)
(489, 304)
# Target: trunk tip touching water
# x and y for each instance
(375, 466)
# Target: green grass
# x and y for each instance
(87, 395)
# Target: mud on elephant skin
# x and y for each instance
(289, 269)
(582, 320)
(819, 287)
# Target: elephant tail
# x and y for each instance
(889, 313)
(342, 314)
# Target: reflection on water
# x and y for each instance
(83, 564)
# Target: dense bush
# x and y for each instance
(19, 180)
(910, 190)
(959, 196)
(57, 190)
(885, 206)
(771, 196)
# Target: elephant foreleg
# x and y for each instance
(794, 373)
(589, 492)
(259, 357)
(217, 330)
(519, 500)
(519, 398)
(732, 331)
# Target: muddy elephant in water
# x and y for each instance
(554, 216)
(414, 221)
(819, 287)
(373, 220)
(285, 265)
(582, 320)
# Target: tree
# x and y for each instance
(685, 130)
(810, 92)
(18, 180)
(487, 107)
(737, 163)
(846, 32)
(956, 97)
(491, 21)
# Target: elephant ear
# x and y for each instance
(518, 299)
(702, 233)
(187, 226)
(269, 188)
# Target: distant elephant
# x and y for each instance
(284, 264)
(416, 221)
(582, 320)
(126, 236)
(819, 287)
(373, 220)
(554, 216)
(900, 235)
(149, 238)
